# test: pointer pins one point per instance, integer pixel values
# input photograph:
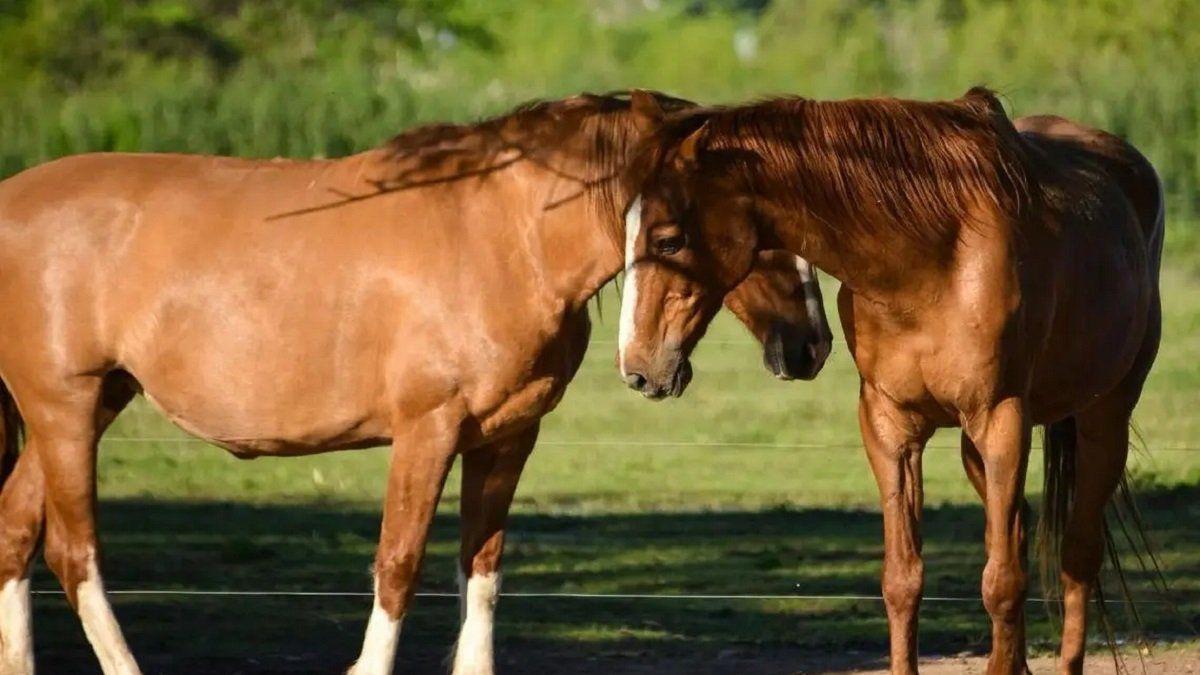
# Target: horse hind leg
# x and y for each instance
(64, 425)
(1102, 440)
(21, 516)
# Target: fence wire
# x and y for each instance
(614, 442)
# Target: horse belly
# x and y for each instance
(287, 422)
(256, 382)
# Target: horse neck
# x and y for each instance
(859, 257)
(557, 226)
(570, 237)
(575, 198)
(553, 198)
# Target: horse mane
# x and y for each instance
(919, 169)
(534, 131)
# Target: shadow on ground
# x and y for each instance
(152, 545)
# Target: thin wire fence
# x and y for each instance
(699, 597)
(616, 442)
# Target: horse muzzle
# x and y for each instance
(791, 354)
(669, 381)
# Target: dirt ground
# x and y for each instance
(1170, 663)
(782, 662)
(1165, 663)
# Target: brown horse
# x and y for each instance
(992, 280)
(431, 294)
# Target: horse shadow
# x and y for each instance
(152, 545)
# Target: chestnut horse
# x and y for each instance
(431, 294)
(991, 280)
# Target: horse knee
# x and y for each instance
(902, 588)
(17, 544)
(1003, 589)
(15, 552)
(70, 561)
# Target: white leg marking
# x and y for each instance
(101, 626)
(633, 227)
(379, 643)
(16, 628)
(473, 655)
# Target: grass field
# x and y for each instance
(745, 486)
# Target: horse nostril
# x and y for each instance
(635, 381)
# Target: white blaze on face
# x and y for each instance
(16, 628)
(101, 626)
(477, 604)
(633, 228)
(379, 642)
(812, 307)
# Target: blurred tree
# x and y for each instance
(71, 44)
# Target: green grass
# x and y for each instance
(606, 506)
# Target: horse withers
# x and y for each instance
(430, 294)
(994, 277)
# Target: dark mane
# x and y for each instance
(918, 168)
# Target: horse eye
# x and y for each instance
(670, 245)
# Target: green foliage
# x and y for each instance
(313, 78)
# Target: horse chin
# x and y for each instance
(683, 377)
(775, 356)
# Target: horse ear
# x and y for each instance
(984, 98)
(690, 147)
(647, 111)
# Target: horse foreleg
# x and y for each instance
(895, 440)
(489, 480)
(1002, 436)
(421, 458)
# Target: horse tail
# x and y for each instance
(1060, 450)
(12, 429)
